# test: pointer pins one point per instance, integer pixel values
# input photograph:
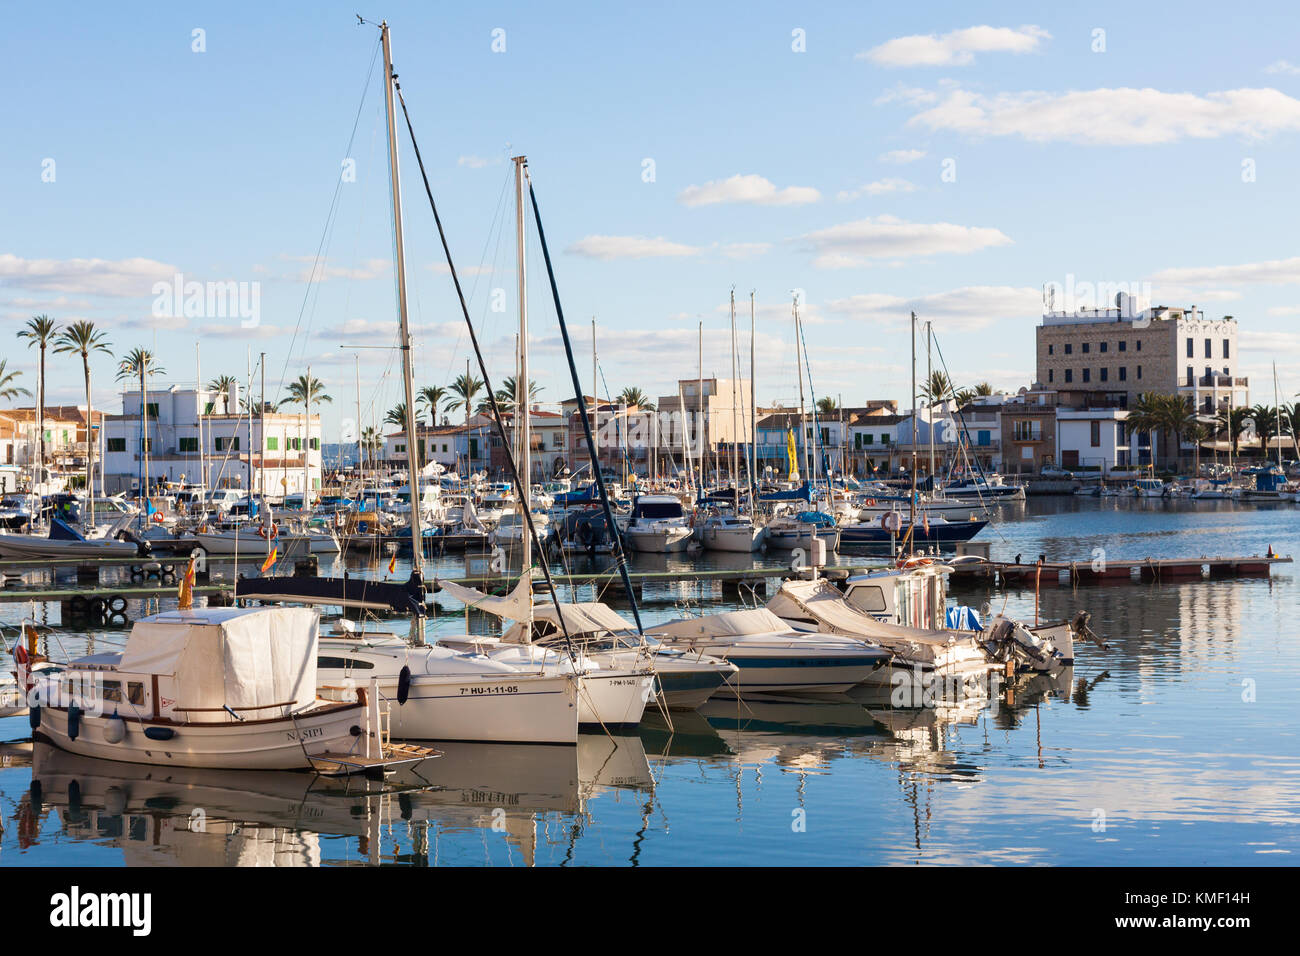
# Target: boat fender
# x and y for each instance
(34, 716)
(74, 721)
(363, 527)
(354, 730)
(159, 733)
(403, 685)
(115, 729)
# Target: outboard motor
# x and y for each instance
(143, 547)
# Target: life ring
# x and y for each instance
(871, 502)
(275, 532)
(915, 562)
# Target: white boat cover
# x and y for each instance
(230, 657)
(582, 618)
(729, 624)
(513, 606)
(825, 604)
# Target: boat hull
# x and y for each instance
(253, 544)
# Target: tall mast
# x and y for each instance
(798, 364)
(261, 445)
(408, 376)
(356, 364)
(522, 412)
(753, 411)
(203, 475)
(306, 447)
(735, 423)
(699, 425)
(929, 377)
(911, 508)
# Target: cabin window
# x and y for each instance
(869, 597)
(135, 692)
(112, 691)
(343, 663)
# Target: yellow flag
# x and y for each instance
(790, 455)
(270, 560)
(185, 593)
(392, 563)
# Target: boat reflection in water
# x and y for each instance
(193, 817)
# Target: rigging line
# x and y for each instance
(329, 218)
(617, 542)
(487, 385)
(812, 394)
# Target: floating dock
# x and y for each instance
(1107, 571)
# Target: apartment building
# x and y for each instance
(1106, 358)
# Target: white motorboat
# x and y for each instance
(437, 693)
(786, 532)
(218, 687)
(659, 525)
(991, 488)
(817, 606)
(685, 680)
(1149, 488)
(259, 539)
(772, 656)
(726, 531)
(63, 541)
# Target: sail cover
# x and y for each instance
(247, 658)
(513, 606)
(729, 624)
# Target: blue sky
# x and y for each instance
(1168, 159)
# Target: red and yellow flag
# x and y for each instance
(392, 564)
(270, 560)
(186, 591)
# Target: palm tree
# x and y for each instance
(139, 362)
(505, 395)
(983, 389)
(1264, 418)
(40, 330)
(8, 388)
(305, 390)
(370, 443)
(964, 397)
(82, 338)
(936, 388)
(396, 415)
(464, 389)
(1180, 418)
(224, 385)
(1147, 415)
(634, 397)
(431, 397)
(827, 405)
(1232, 424)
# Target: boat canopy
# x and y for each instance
(251, 658)
(728, 624)
(825, 604)
(514, 606)
(802, 493)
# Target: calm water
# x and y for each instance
(1176, 746)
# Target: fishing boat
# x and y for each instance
(218, 687)
(771, 656)
(659, 525)
(1149, 488)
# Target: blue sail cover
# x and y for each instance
(586, 496)
(63, 532)
(802, 493)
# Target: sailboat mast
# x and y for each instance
(699, 403)
(735, 411)
(929, 377)
(521, 382)
(306, 447)
(203, 476)
(361, 455)
(753, 411)
(912, 500)
(408, 377)
(803, 429)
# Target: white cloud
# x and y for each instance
(887, 237)
(1284, 310)
(1282, 67)
(746, 189)
(116, 277)
(157, 323)
(900, 156)
(745, 250)
(957, 48)
(1273, 271)
(1122, 116)
(963, 310)
(880, 187)
(629, 247)
(369, 269)
(1277, 343)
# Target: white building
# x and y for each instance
(1094, 439)
(236, 452)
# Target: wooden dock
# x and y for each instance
(1122, 571)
